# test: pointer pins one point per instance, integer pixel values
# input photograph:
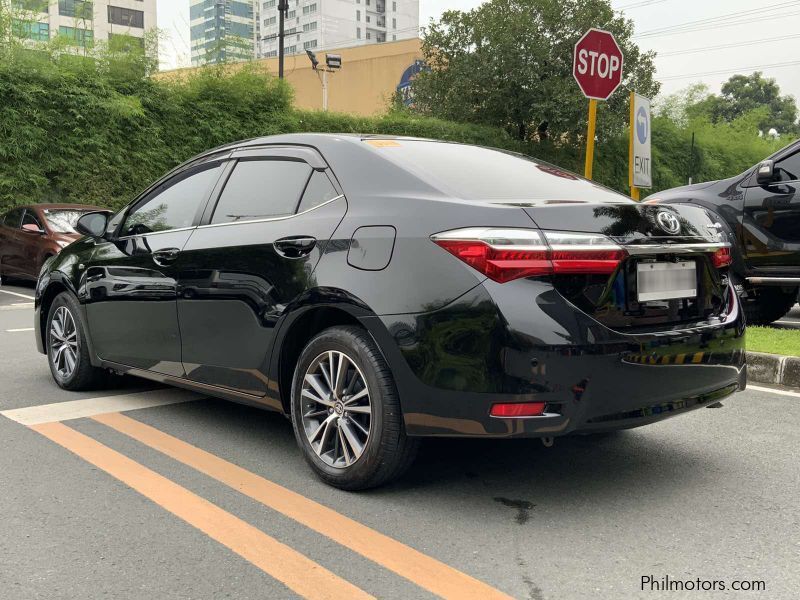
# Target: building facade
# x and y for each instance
(223, 30)
(330, 24)
(83, 22)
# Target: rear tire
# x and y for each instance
(67, 349)
(767, 304)
(346, 413)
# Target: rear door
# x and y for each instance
(254, 254)
(9, 250)
(771, 221)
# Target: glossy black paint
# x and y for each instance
(763, 220)
(226, 308)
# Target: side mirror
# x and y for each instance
(93, 224)
(766, 172)
(31, 228)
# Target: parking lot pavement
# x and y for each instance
(181, 497)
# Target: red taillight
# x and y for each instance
(722, 258)
(517, 409)
(507, 254)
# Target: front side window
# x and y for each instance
(788, 169)
(30, 219)
(259, 189)
(174, 205)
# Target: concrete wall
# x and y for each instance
(364, 86)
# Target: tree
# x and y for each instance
(742, 94)
(508, 63)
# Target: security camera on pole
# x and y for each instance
(597, 67)
(333, 62)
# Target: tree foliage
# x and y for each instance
(508, 63)
(742, 94)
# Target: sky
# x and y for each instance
(718, 37)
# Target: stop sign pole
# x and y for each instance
(597, 67)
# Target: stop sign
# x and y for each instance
(597, 64)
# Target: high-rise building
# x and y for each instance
(329, 24)
(83, 22)
(223, 30)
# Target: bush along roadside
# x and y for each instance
(773, 356)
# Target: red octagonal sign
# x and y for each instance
(597, 64)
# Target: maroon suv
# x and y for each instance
(29, 235)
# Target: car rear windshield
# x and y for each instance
(63, 220)
(475, 173)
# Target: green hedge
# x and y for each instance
(70, 132)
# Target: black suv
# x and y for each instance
(761, 208)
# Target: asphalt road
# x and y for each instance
(123, 507)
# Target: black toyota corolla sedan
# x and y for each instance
(380, 290)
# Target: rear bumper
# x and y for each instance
(452, 365)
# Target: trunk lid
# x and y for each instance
(658, 238)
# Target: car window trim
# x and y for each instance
(160, 186)
(275, 153)
(268, 219)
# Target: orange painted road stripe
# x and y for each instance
(422, 570)
(294, 570)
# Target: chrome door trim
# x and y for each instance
(270, 219)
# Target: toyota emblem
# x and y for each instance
(668, 222)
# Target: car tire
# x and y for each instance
(765, 305)
(67, 348)
(353, 439)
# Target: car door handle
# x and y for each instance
(297, 246)
(166, 256)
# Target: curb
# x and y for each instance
(773, 368)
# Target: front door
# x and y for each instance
(9, 248)
(771, 222)
(131, 281)
(252, 257)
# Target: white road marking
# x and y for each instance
(758, 388)
(21, 306)
(19, 330)
(79, 409)
(17, 294)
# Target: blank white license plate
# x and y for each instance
(666, 280)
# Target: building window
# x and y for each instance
(270, 21)
(31, 30)
(291, 14)
(79, 9)
(394, 38)
(368, 19)
(126, 17)
(270, 54)
(310, 26)
(394, 23)
(40, 6)
(311, 8)
(358, 15)
(309, 44)
(291, 50)
(77, 36)
(369, 35)
(270, 4)
(358, 33)
(394, 6)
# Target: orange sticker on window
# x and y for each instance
(383, 143)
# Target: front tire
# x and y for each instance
(767, 304)
(346, 411)
(67, 349)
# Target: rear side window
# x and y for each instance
(30, 219)
(260, 189)
(475, 173)
(318, 191)
(13, 218)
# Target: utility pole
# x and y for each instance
(283, 8)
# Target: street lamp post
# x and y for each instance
(283, 8)
(332, 63)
